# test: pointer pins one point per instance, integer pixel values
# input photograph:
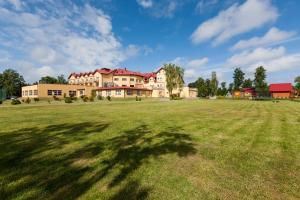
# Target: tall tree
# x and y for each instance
(230, 87)
(248, 83)
(48, 80)
(260, 84)
(214, 84)
(222, 90)
(174, 77)
(238, 78)
(61, 79)
(207, 87)
(297, 85)
(12, 81)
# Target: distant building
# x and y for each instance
(244, 93)
(282, 90)
(105, 82)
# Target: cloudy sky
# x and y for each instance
(48, 37)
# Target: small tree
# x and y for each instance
(248, 83)
(260, 85)
(213, 84)
(174, 77)
(222, 90)
(238, 78)
(297, 85)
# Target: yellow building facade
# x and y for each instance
(119, 83)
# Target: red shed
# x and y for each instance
(282, 90)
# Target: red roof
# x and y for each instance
(116, 72)
(120, 72)
(281, 87)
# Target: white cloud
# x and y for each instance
(274, 35)
(236, 20)
(65, 38)
(16, 3)
(145, 3)
(273, 59)
(202, 5)
(160, 9)
(193, 67)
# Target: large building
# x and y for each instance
(120, 83)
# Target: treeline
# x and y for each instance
(211, 87)
(12, 82)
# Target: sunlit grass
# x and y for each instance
(187, 149)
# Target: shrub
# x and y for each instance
(49, 101)
(175, 97)
(73, 98)
(91, 98)
(99, 97)
(138, 98)
(23, 100)
(56, 98)
(68, 100)
(108, 98)
(15, 102)
(27, 100)
(1, 102)
(36, 99)
(84, 98)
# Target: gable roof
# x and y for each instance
(281, 87)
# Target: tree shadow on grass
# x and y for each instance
(34, 163)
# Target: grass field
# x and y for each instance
(198, 149)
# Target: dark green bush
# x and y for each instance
(56, 98)
(73, 98)
(99, 97)
(15, 102)
(138, 98)
(91, 98)
(27, 100)
(108, 98)
(36, 99)
(85, 98)
(68, 100)
(1, 102)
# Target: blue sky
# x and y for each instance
(50, 37)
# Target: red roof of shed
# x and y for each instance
(281, 87)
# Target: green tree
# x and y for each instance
(248, 83)
(222, 91)
(207, 87)
(174, 77)
(238, 78)
(12, 81)
(260, 84)
(230, 87)
(48, 80)
(297, 85)
(61, 79)
(201, 87)
(213, 84)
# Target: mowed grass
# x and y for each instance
(186, 149)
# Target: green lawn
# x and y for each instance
(189, 149)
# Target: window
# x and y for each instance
(81, 92)
(55, 92)
(118, 92)
(116, 79)
(30, 92)
(124, 79)
(49, 92)
(138, 92)
(59, 92)
(35, 92)
(124, 85)
(26, 92)
(108, 92)
(129, 92)
(131, 79)
(72, 93)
